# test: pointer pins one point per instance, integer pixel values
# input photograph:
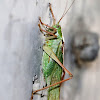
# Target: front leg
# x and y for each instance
(50, 33)
(54, 29)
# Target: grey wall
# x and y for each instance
(85, 83)
(20, 52)
(20, 40)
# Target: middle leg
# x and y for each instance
(53, 29)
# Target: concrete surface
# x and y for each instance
(20, 40)
(20, 52)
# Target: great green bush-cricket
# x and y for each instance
(52, 60)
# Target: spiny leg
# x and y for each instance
(52, 85)
(53, 56)
(37, 94)
(53, 29)
(50, 33)
(54, 20)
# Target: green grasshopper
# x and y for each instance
(52, 60)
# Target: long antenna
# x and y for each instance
(65, 7)
(66, 11)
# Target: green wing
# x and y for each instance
(50, 52)
(53, 71)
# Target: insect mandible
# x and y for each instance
(52, 60)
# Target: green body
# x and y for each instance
(51, 70)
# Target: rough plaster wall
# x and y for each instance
(20, 40)
(20, 53)
(85, 84)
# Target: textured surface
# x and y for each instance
(85, 83)
(20, 41)
(20, 53)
